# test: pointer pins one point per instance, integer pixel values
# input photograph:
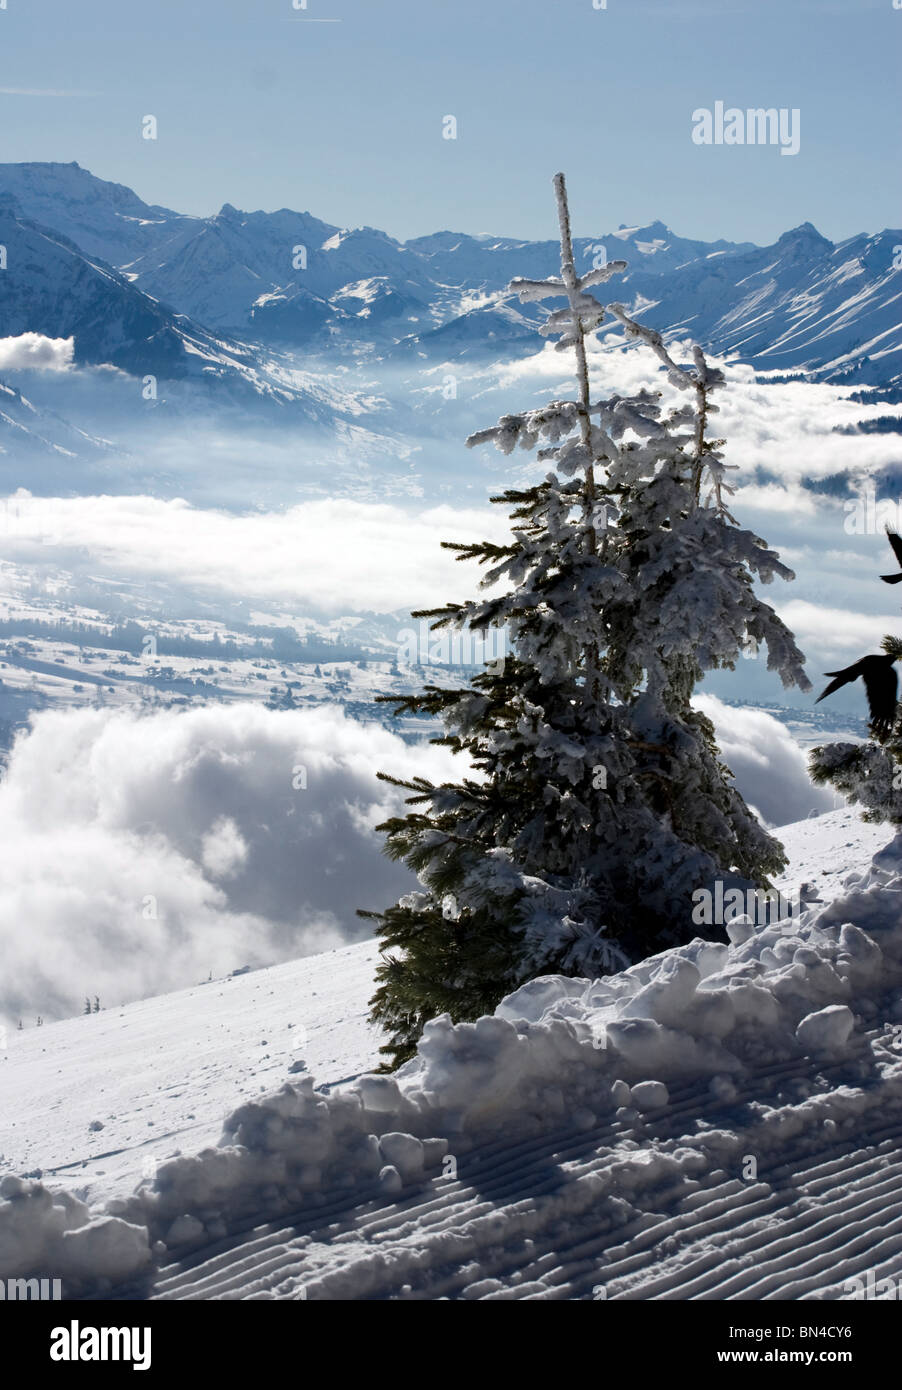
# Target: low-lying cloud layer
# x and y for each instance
(143, 852)
(372, 543)
(787, 429)
(768, 765)
(334, 556)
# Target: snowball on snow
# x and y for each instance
(184, 1229)
(403, 1152)
(620, 1093)
(390, 1179)
(649, 1095)
(828, 1030)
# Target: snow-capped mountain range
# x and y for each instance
(52, 287)
(154, 291)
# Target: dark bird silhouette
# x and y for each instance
(880, 686)
(896, 542)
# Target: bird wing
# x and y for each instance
(851, 673)
(895, 541)
(880, 685)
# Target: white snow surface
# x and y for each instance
(159, 1074)
(720, 1121)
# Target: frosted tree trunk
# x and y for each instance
(571, 284)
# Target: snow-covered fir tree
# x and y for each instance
(597, 801)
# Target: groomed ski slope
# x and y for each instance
(715, 1123)
(160, 1074)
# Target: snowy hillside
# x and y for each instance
(717, 1122)
(28, 430)
(182, 1061)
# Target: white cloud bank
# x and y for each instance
(785, 428)
(834, 633)
(142, 851)
(336, 556)
(36, 351)
(769, 766)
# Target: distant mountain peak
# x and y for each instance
(804, 231)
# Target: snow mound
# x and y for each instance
(53, 1234)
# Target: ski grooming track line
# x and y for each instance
(525, 1215)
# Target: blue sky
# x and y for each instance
(338, 108)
